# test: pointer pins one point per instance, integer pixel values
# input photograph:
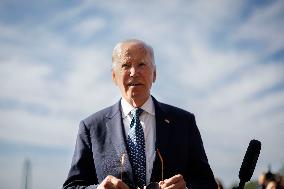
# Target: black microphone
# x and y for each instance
(249, 162)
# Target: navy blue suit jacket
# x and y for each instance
(101, 142)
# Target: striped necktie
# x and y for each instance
(136, 144)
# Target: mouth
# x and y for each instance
(133, 84)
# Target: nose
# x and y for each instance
(133, 71)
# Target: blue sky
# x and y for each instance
(221, 60)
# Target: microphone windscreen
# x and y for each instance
(250, 160)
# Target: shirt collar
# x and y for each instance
(148, 106)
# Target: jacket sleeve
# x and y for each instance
(202, 176)
(82, 174)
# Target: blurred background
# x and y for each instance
(222, 60)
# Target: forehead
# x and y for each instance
(131, 52)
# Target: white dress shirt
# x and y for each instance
(148, 122)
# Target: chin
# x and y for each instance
(137, 93)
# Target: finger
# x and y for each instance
(111, 182)
(178, 185)
(173, 180)
(119, 184)
(106, 183)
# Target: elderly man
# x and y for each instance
(138, 141)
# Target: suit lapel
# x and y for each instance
(116, 130)
(163, 126)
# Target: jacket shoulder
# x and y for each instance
(175, 111)
(101, 115)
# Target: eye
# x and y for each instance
(125, 66)
(142, 64)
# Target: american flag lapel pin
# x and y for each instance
(167, 121)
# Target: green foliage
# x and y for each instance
(251, 185)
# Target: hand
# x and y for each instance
(111, 182)
(175, 182)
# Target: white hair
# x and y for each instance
(118, 49)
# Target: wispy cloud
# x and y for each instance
(264, 28)
(222, 60)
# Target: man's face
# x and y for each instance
(134, 73)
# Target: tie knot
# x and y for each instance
(136, 112)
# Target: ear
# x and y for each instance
(154, 76)
(113, 77)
